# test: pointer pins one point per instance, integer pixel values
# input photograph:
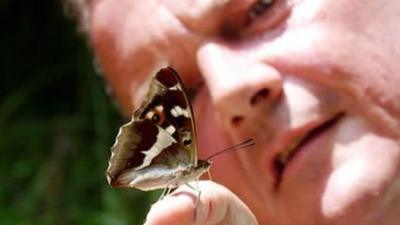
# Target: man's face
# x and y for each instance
(314, 82)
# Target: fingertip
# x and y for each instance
(218, 205)
(173, 209)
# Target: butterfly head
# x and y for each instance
(191, 173)
(203, 165)
(195, 171)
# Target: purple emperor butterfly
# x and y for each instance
(158, 147)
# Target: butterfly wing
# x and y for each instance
(161, 134)
(133, 147)
(168, 105)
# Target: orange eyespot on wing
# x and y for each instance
(156, 115)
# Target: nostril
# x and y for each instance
(260, 95)
(236, 120)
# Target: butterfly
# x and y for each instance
(158, 147)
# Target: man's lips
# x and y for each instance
(284, 157)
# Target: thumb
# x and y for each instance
(217, 205)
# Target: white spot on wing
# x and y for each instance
(149, 115)
(159, 108)
(177, 111)
(175, 87)
(170, 129)
(163, 141)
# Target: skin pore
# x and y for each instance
(315, 77)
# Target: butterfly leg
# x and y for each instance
(165, 192)
(197, 189)
(209, 174)
(162, 194)
(169, 191)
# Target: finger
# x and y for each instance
(217, 205)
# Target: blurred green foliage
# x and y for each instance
(56, 125)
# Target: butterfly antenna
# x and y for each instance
(245, 144)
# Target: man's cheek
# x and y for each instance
(365, 165)
(211, 137)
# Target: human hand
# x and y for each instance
(216, 205)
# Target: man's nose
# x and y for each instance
(242, 87)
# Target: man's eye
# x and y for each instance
(258, 8)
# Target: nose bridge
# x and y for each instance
(240, 86)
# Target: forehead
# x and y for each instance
(152, 29)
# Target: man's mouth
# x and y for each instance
(282, 159)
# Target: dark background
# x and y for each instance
(56, 125)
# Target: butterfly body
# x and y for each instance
(158, 147)
(161, 176)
